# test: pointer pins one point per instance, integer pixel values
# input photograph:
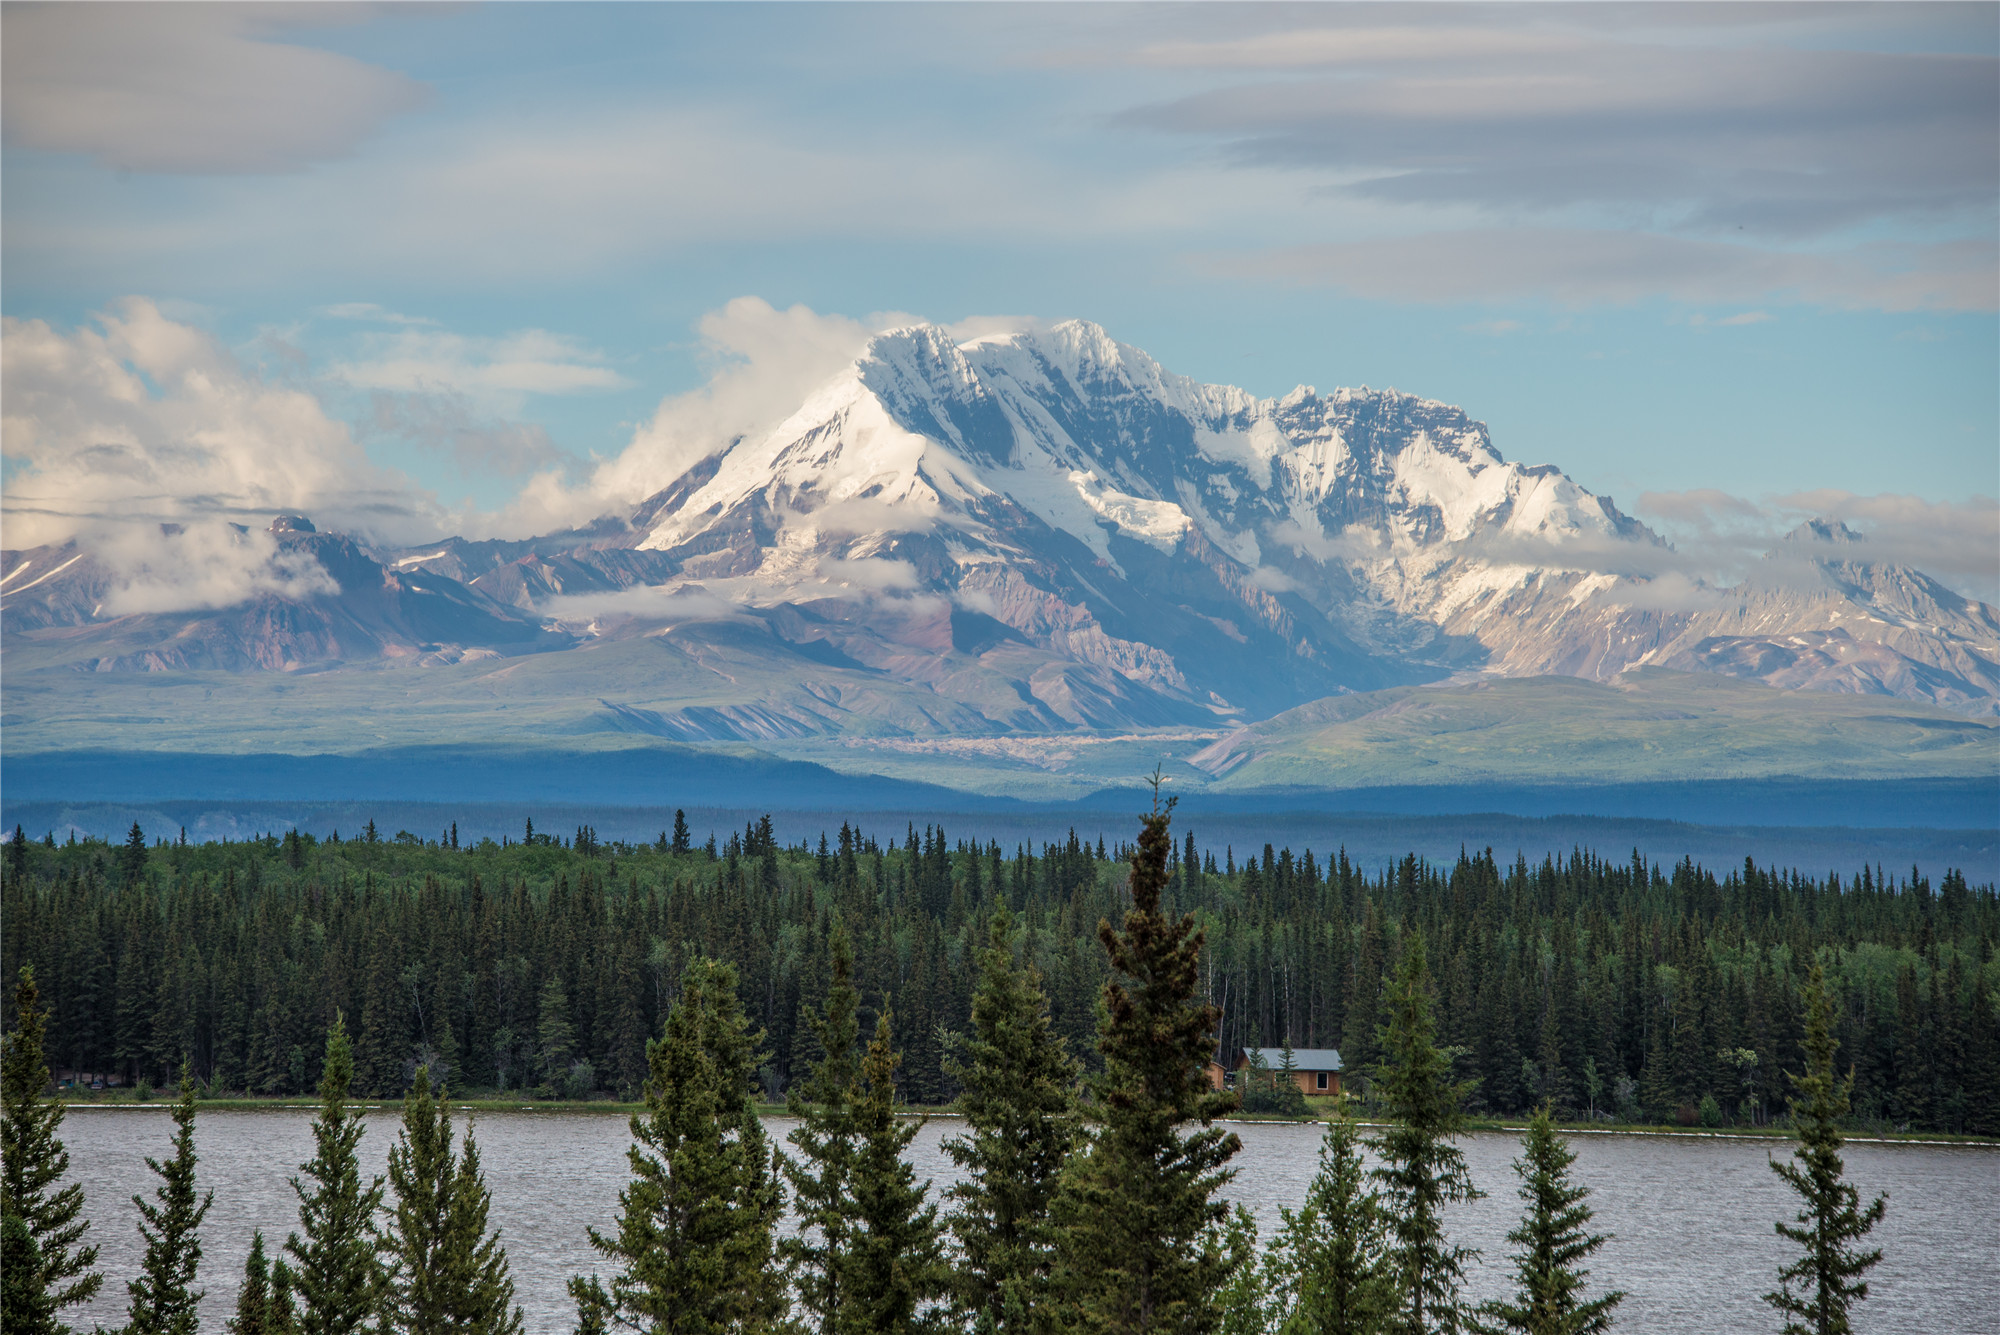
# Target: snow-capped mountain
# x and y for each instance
(1047, 531)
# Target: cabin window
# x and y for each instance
(1320, 1080)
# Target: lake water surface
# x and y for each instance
(1692, 1216)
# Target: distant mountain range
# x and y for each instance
(1037, 535)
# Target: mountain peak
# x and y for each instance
(1042, 528)
(1824, 529)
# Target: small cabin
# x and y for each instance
(1315, 1070)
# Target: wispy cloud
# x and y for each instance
(145, 439)
(199, 566)
(1738, 320)
(508, 368)
(449, 423)
(370, 313)
(137, 418)
(1582, 267)
(1532, 110)
(199, 89)
(1726, 536)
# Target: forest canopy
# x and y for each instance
(1608, 987)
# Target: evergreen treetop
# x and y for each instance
(263, 1305)
(1142, 1244)
(337, 1282)
(1553, 1238)
(1422, 1169)
(444, 1273)
(1335, 1276)
(164, 1299)
(696, 1234)
(827, 1139)
(1816, 1292)
(895, 1262)
(1020, 1122)
(55, 1264)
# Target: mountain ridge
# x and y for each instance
(1044, 532)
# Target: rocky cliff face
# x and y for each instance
(1049, 531)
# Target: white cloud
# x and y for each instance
(371, 313)
(480, 444)
(762, 363)
(191, 88)
(1725, 536)
(202, 565)
(504, 370)
(870, 574)
(143, 420)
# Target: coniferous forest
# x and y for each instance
(541, 966)
(1089, 1199)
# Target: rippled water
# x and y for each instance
(1694, 1245)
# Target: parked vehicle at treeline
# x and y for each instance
(1084, 1206)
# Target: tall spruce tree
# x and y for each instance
(49, 1267)
(1816, 1291)
(337, 1282)
(445, 1273)
(827, 1139)
(164, 1299)
(1422, 1169)
(895, 1261)
(1335, 1275)
(1020, 1123)
(695, 1240)
(1553, 1238)
(1142, 1245)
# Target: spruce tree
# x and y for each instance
(555, 1036)
(164, 1299)
(1816, 1291)
(49, 1267)
(444, 1272)
(337, 1282)
(1021, 1125)
(25, 1305)
(895, 1260)
(696, 1237)
(1422, 1170)
(261, 1306)
(133, 859)
(1142, 1247)
(828, 1141)
(1548, 1297)
(1257, 1291)
(1332, 1256)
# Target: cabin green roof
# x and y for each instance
(1303, 1059)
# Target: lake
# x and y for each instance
(1694, 1244)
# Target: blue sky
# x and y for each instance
(1698, 257)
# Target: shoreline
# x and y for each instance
(608, 1107)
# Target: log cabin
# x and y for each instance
(1316, 1070)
